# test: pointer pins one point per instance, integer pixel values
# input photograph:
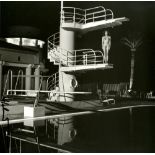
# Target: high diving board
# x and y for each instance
(94, 25)
(81, 68)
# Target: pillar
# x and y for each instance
(28, 77)
(37, 77)
(1, 69)
(65, 84)
(67, 43)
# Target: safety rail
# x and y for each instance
(54, 38)
(20, 72)
(75, 57)
(9, 75)
(14, 84)
(86, 57)
(55, 53)
(52, 82)
(84, 16)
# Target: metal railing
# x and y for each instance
(58, 54)
(20, 75)
(17, 87)
(71, 58)
(87, 57)
(52, 82)
(75, 57)
(84, 16)
(54, 38)
(8, 79)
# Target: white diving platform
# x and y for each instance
(81, 68)
(94, 25)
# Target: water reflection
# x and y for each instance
(48, 134)
(99, 132)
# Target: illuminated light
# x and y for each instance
(41, 43)
(15, 41)
(28, 42)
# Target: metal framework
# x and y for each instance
(72, 58)
(84, 16)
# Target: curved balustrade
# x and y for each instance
(76, 57)
(54, 38)
(52, 82)
(84, 16)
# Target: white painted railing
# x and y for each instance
(84, 16)
(72, 58)
(20, 76)
(52, 82)
(75, 57)
(54, 39)
(8, 81)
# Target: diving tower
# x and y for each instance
(61, 45)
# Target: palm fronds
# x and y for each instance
(133, 41)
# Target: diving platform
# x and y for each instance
(92, 26)
(82, 68)
(84, 20)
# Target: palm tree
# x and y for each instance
(133, 41)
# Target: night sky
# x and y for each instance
(45, 16)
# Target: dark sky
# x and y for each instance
(45, 16)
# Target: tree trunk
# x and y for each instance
(132, 68)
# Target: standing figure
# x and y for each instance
(106, 44)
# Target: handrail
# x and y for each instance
(70, 58)
(95, 8)
(76, 15)
(55, 78)
(53, 38)
(6, 81)
(18, 76)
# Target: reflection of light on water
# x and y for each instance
(63, 129)
(53, 131)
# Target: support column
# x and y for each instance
(67, 43)
(1, 69)
(66, 85)
(28, 77)
(37, 77)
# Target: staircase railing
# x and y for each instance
(52, 82)
(58, 54)
(76, 57)
(84, 16)
(54, 39)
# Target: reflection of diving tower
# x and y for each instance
(61, 46)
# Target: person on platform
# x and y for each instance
(106, 44)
